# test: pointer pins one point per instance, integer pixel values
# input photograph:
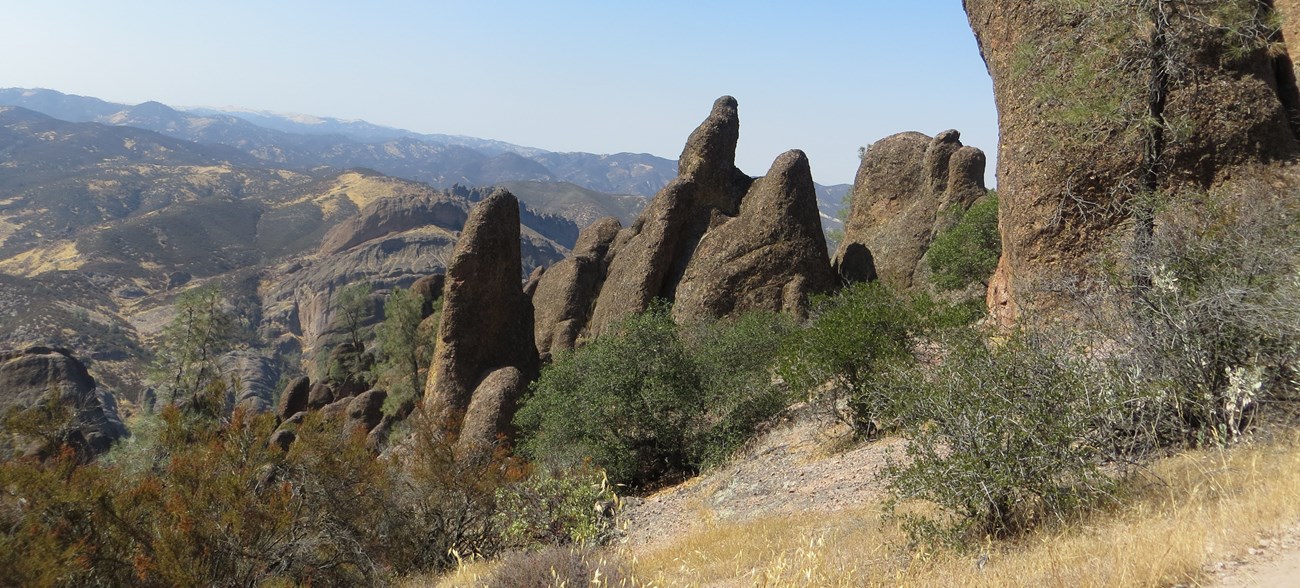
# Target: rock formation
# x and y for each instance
(486, 322)
(28, 375)
(771, 256)
(715, 241)
(293, 399)
(1089, 123)
(255, 376)
(564, 294)
(909, 187)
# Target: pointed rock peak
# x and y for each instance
(949, 136)
(498, 203)
(597, 237)
(712, 147)
(791, 166)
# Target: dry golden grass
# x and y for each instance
(1187, 511)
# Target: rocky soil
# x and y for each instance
(800, 465)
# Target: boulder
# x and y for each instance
(366, 409)
(429, 289)
(486, 322)
(320, 395)
(1093, 121)
(909, 187)
(488, 418)
(294, 398)
(771, 256)
(29, 375)
(282, 438)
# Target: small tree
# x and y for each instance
(834, 360)
(403, 347)
(187, 358)
(352, 309)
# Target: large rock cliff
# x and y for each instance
(30, 374)
(1102, 104)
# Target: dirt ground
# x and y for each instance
(1273, 563)
(798, 466)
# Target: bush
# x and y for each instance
(1000, 437)
(968, 252)
(647, 399)
(556, 566)
(556, 508)
(833, 361)
(1214, 309)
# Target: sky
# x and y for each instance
(603, 77)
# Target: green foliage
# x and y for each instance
(834, 360)
(404, 349)
(1214, 311)
(1000, 437)
(648, 399)
(968, 252)
(352, 308)
(557, 507)
(186, 360)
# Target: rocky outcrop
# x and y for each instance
(714, 240)
(397, 214)
(651, 255)
(293, 399)
(488, 417)
(770, 256)
(29, 375)
(909, 187)
(254, 376)
(395, 241)
(366, 410)
(564, 295)
(486, 322)
(1118, 102)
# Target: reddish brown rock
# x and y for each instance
(366, 410)
(1090, 122)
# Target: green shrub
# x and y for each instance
(968, 252)
(557, 507)
(999, 437)
(648, 398)
(834, 360)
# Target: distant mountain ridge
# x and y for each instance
(307, 141)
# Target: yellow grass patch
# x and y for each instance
(1190, 510)
(58, 256)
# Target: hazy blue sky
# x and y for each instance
(825, 77)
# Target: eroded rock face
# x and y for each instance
(651, 255)
(564, 295)
(255, 376)
(398, 214)
(770, 256)
(909, 187)
(714, 240)
(1090, 123)
(28, 375)
(486, 322)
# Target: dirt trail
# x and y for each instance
(1273, 563)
